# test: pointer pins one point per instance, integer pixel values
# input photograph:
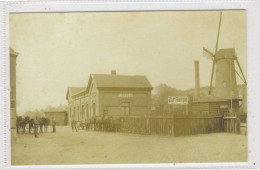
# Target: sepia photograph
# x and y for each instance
(136, 87)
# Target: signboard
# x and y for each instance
(223, 106)
(126, 95)
(178, 100)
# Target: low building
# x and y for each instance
(214, 105)
(112, 94)
(61, 117)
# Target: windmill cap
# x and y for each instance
(226, 53)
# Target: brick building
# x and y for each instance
(13, 57)
(110, 94)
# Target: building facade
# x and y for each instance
(13, 57)
(77, 101)
(111, 94)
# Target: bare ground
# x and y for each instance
(88, 147)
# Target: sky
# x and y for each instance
(57, 50)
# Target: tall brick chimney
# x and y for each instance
(197, 80)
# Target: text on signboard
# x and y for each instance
(125, 95)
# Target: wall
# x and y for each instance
(93, 99)
(60, 117)
(215, 107)
(77, 107)
(13, 57)
(200, 108)
(111, 100)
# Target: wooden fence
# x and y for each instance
(177, 125)
(231, 124)
(242, 117)
(148, 125)
(198, 124)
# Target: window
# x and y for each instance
(125, 108)
(78, 112)
(94, 109)
(82, 112)
(87, 111)
(74, 113)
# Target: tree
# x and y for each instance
(160, 100)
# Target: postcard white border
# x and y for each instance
(253, 69)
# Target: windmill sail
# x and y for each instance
(214, 58)
(207, 54)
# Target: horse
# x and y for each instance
(41, 124)
(31, 122)
(82, 125)
(46, 122)
(19, 120)
(21, 123)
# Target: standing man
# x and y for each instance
(74, 125)
(36, 126)
(53, 125)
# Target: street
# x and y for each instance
(89, 147)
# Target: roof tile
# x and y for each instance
(76, 90)
(121, 81)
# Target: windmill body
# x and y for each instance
(225, 81)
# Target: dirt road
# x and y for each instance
(87, 147)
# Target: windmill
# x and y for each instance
(224, 62)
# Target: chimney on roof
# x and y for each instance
(197, 80)
(113, 72)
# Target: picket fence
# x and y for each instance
(178, 125)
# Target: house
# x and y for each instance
(61, 117)
(111, 94)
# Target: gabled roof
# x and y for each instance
(75, 90)
(121, 81)
(226, 53)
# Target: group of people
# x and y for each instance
(36, 125)
(97, 123)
